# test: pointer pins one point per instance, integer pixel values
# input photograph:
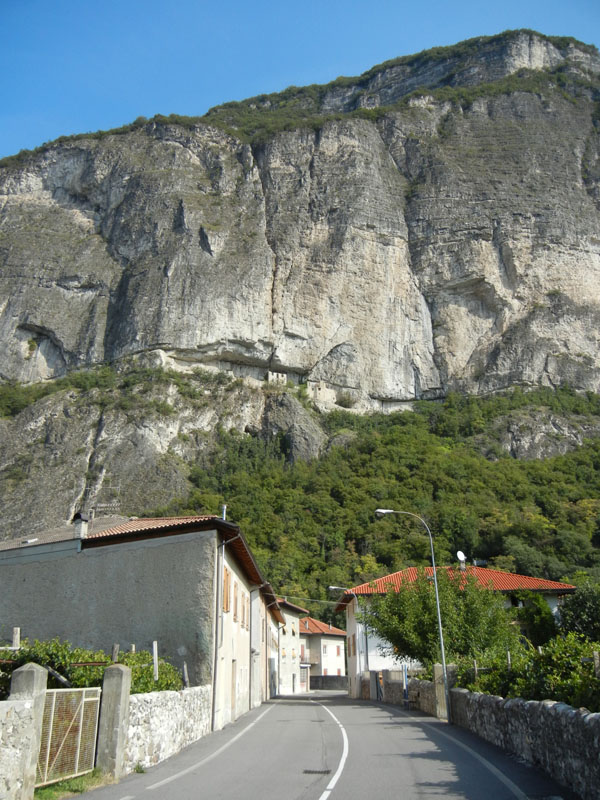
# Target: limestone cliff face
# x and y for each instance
(447, 242)
(442, 245)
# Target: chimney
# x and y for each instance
(80, 523)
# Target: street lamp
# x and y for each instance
(381, 512)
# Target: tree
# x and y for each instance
(536, 618)
(474, 619)
(580, 612)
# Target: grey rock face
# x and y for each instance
(444, 246)
(303, 437)
(528, 436)
(482, 62)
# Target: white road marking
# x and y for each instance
(129, 797)
(338, 772)
(512, 787)
(210, 757)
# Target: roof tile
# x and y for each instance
(309, 625)
(488, 578)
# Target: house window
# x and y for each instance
(325, 671)
(293, 654)
(243, 602)
(235, 601)
(353, 645)
(339, 671)
(302, 652)
(226, 589)
(338, 650)
(293, 628)
(324, 649)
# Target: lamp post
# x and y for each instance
(349, 591)
(381, 512)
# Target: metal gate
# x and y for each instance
(69, 730)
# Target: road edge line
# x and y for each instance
(210, 757)
(345, 750)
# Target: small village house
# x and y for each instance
(289, 648)
(323, 652)
(365, 649)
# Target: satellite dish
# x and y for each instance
(461, 556)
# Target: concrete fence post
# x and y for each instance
(385, 673)
(28, 684)
(114, 720)
(441, 711)
(372, 685)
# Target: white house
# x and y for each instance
(322, 648)
(364, 649)
(289, 648)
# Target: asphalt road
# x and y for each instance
(324, 745)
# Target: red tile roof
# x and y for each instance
(309, 625)
(488, 578)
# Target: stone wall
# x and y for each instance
(421, 695)
(559, 739)
(163, 723)
(16, 736)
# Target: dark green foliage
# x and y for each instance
(563, 671)
(61, 657)
(580, 612)
(535, 618)
(474, 619)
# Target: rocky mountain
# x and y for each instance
(432, 225)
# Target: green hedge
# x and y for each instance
(562, 671)
(62, 657)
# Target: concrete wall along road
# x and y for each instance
(163, 723)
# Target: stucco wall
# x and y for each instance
(559, 739)
(127, 593)
(232, 689)
(16, 737)
(289, 653)
(163, 723)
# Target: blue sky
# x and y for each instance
(72, 66)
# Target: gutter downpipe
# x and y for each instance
(218, 623)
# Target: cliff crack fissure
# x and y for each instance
(93, 476)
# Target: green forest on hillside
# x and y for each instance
(312, 524)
